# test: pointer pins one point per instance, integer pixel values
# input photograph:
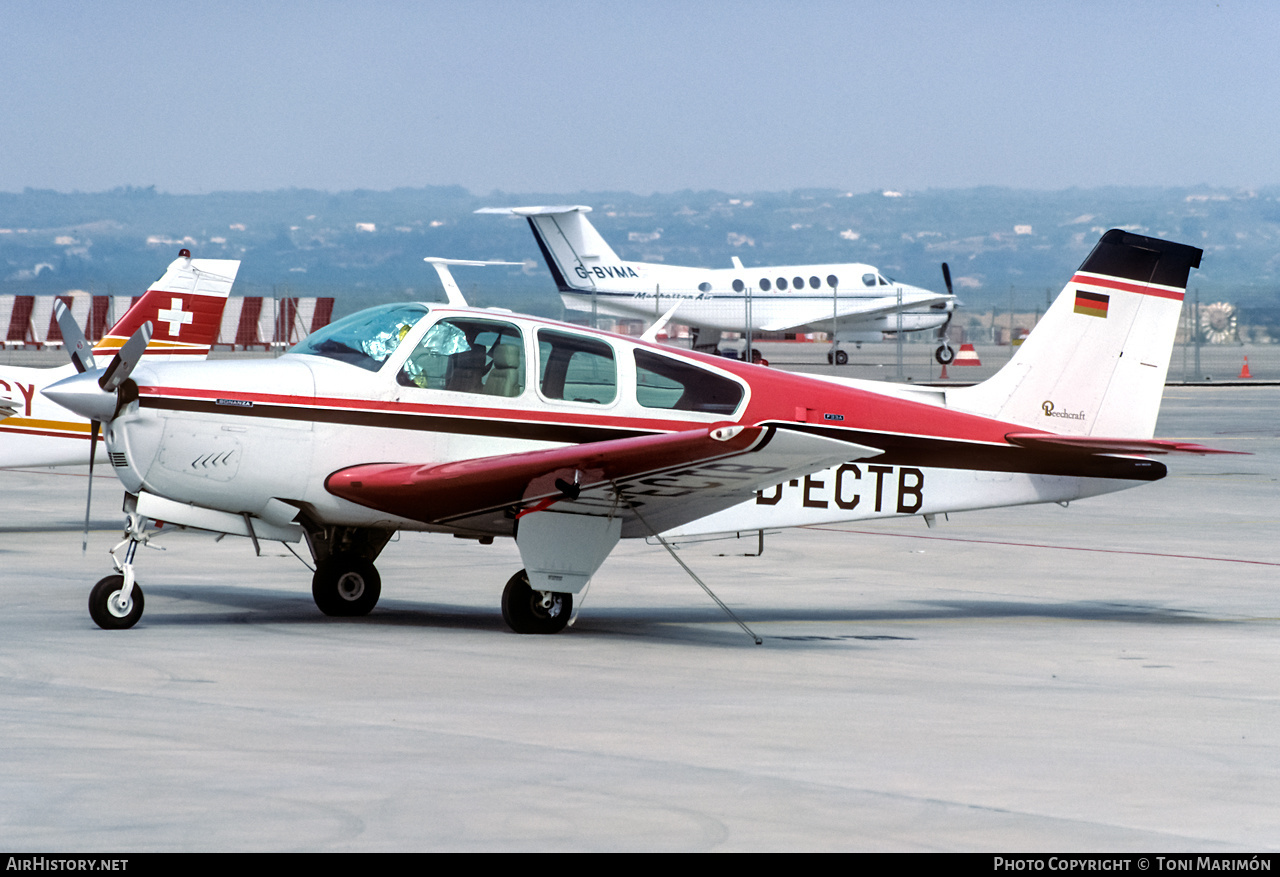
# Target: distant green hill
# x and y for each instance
(366, 246)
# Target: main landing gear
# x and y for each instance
(528, 611)
(346, 585)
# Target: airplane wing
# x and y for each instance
(818, 314)
(1090, 445)
(672, 478)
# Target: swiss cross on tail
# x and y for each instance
(176, 317)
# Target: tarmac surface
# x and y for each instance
(1104, 677)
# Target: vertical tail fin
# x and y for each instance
(1095, 365)
(570, 244)
(184, 307)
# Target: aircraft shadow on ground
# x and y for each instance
(272, 606)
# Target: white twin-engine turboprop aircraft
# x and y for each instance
(185, 305)
(851, 302)
(486, 424)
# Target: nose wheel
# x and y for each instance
(945, 355)
(528, 611)
(111, 608)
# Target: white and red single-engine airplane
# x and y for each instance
(185, 305)
(485, 424)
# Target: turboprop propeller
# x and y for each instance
(91, 393)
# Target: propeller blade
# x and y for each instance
(88, 501)
(946, 278)
(124, 362)
(77, 346)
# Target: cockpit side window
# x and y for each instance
(576, 369)
(678, 386)
(467, 356)
(364, 339)
(868, 280)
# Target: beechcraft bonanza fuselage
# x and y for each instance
(851, 302)
(486, 425)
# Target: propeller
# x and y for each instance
(91, 393)
(946, 278)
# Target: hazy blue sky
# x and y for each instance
(561, 96)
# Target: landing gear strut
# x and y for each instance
(528, 611)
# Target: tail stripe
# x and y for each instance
(1112, 283)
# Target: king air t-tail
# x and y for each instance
(850, 302)
(487, 425)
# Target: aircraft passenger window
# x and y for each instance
(576, 369)
(833, 281)
(738, 286)
(765, 285)
(868, 280)
(704, 287)
(364, 339)
(814, 283)
(678, 386)
(782, 283)
(798, 282)
(467, 356)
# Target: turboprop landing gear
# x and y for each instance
(528, 611)
(346, 585)
(839, 357)
(945, 355)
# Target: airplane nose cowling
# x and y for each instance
(83, 395)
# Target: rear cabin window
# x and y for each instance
(576, 369)
(467, 356)
(678, 386)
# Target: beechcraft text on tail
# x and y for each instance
(852, 302)
(489, 425)
(185, 306)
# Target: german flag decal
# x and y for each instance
(1092, 304)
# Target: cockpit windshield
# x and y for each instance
(366, 338)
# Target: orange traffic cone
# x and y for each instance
(967, 356)
(943, 376)
(1244, 372)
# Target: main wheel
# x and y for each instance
(108, 607)
(842, 358)
(345, 586)
(944, 354)
(528, 611)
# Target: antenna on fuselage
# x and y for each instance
(451, 290)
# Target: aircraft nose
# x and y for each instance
(82, 395)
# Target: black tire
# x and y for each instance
(944, 354)
(830, 358)
(109, 615)
(524, 612)
(842, 358)
(346, 586)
